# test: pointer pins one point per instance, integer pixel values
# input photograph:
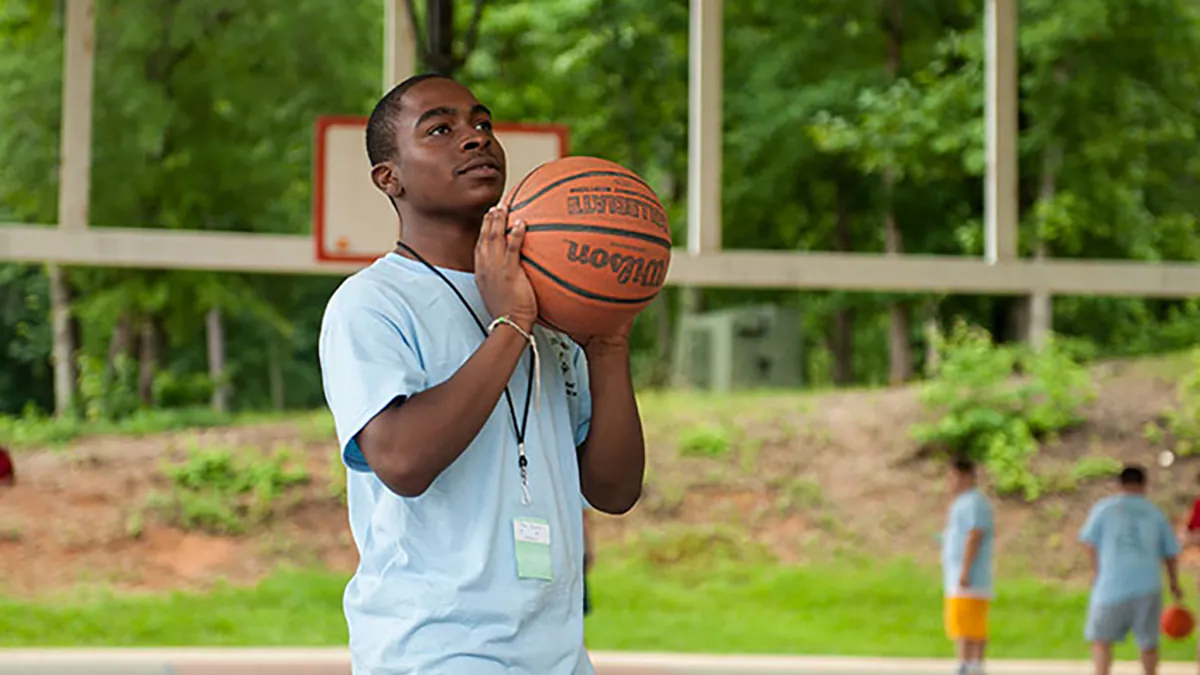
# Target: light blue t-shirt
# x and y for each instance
(1132, 537)
(971, 510)
(436, 589)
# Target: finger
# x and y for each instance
(489, 225)
(516, 237)
(499, 221)
(487, 238)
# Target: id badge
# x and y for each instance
(531, 541)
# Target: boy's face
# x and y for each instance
(449, 163)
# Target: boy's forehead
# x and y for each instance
(436, 94)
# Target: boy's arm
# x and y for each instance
(1093, 561)
(409, 443)
(612, 459)
(414, 433)
(974, 541)
(1089, 536)
(1170, 555)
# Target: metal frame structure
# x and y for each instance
(701, 263)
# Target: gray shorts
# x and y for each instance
(1140, 615)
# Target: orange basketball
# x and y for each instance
(1177, 622)
(597, 243)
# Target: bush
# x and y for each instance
(993, 403)
(704, 441)
(218, 491)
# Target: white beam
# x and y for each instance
(293, 254)
(1000, 191)
(935, 274)
(75, 146)
(399, 43)
(704, 127)
(166, 249)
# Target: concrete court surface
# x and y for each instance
(334, 662)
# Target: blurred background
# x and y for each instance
(179, 482)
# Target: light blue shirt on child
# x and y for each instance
(970, 510)
(1132, 538)
(437, 588)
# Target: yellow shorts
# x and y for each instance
(967, 618)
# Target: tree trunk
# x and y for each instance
(121, 342)
(148, 360)
(1040, 312)
(63, 356)
(215, 329)
(842, 342)
(899, 313)
(933, 335)
(275, 378)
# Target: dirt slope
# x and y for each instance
(804, 475)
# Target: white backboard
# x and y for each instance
(352, 219)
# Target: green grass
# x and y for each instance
(847, 608)
(289, 609)
(37, 431)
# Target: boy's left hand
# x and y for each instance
(618, 340)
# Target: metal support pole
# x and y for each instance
(74, 183)
(704, 127)
(1000, 195)
(75, 148)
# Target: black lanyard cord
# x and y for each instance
(518, 429)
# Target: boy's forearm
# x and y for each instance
(613, 458)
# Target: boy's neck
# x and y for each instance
(442, 244)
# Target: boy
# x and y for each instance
(967, 566)
(1129, 541)
(466, 461)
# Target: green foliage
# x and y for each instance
(1090, 468)
(223, 491)
(108, 391)
(204, 114)
(1180, 423)
(800, 494)
(34, 429)
(994, 402)
(704, 440)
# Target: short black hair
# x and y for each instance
(964, 465)
(381, 126)
(1132, 475)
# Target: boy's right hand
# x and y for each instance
(499, 276)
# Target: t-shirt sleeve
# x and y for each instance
(367, 361)
(581, 402)
(1090, 533)
(978, 516)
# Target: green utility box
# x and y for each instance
(750, 347)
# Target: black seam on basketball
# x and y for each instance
(517, 190)
(552, 325)
(567, 179)
(599, 229)
(633, 193)
(580, 291)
